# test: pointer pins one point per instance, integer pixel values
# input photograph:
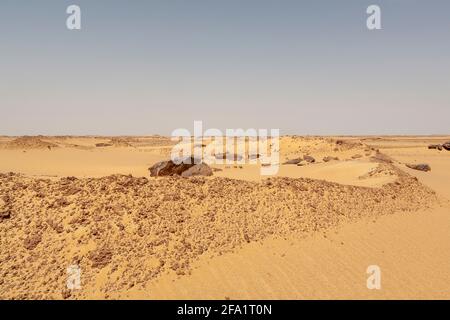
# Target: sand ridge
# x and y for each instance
(126, 231)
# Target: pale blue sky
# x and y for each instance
(144, 67)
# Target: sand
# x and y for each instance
(309, 232)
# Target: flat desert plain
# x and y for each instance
(310, 232)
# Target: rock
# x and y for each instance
(302, 163)
(328, 158)
(420, 166)
(381, 157)
(434, 146)
(201, 169)
(309, 159)
(293, 161)
(185, 169)
(356, 156)
(5, 212)
(32, 241)
(101, 257)
(446, 146)
(102, 145)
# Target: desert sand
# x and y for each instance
(310, 232)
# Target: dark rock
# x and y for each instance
(101, 257)
(170, 168)
(201, 169)
(328, 158)
(309, 159)
(5, 214)
(420, 166)
(100, 145)
(32, 241)
(434, 146)
(446, 146)
(293, 161)
(356, 156)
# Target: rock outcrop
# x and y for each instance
(421, 167)
(187, 168)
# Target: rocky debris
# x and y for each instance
(188, 167)
(446, 145)
(381, 157)
(301, 161)
(293, 161)
(101, 257)
(119, 142)
(356, 156)
(32, 241)
(347, 144)
(103, 145)
(5, 214)
(138, 229)
(329, 158)
(30, 142)
(309, 159)
(421, 167)
(201, 169)
(5, 211)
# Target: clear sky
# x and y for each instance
(146, 67)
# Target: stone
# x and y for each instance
(446, 145)
(309, 159)
(421, 167)
(185, 168)
(201, 169)
(293, 161)
(329, 158)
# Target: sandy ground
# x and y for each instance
(309, 232)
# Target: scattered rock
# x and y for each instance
(201, 169)
(30, 142)
(329, 158)
(293, 161)
(381, 157)
(446, 146)
(101, 258)
(434, 146)
(5, 214)
(102, 145)
(189, 167)
(309, 159)
(421, 167)
(32, 241)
